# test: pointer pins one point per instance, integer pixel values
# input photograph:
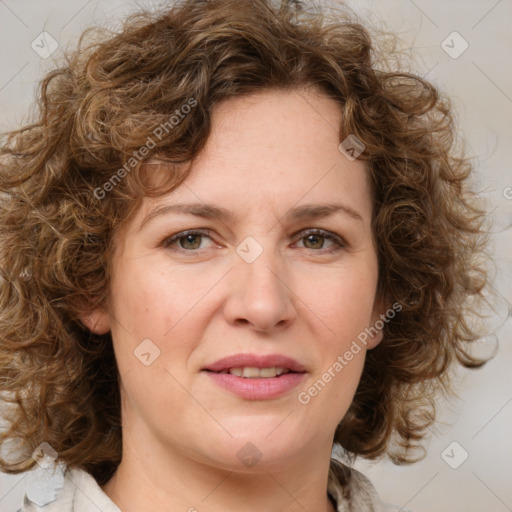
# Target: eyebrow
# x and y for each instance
(209, 211)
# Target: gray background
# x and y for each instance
(479, 80)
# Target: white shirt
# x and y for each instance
(74, 490)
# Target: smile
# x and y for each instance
(256, 376)
(251, 372)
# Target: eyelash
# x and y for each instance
(167, 243)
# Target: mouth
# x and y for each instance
(257, 377)
(252, 372)
(254, 366)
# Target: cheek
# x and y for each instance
(149, 303)
(145, 300)
(343, 303)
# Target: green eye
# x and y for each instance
(190, 240)
(317, 236)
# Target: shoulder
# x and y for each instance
(354, 492)
(72, 490)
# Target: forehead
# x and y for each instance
(271, 151)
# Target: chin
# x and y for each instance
(258, 449)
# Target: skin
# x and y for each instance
(267, 153)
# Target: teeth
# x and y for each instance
(250, 372)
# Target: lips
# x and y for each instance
(255, 377)
(254, 361)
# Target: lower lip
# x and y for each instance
(257, 389)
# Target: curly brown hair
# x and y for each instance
(77, 173)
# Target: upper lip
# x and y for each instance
(256, 361)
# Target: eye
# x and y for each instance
(188, 241)
(315, 239)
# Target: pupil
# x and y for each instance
(187, 240)
(314, 237)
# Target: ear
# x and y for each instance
(378, 320)
(97, 321)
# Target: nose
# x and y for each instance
(260, 295)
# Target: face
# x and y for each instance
(252, 275)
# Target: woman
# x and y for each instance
(230, 242)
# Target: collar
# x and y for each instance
(75, 490)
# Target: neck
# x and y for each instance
(177, 482)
